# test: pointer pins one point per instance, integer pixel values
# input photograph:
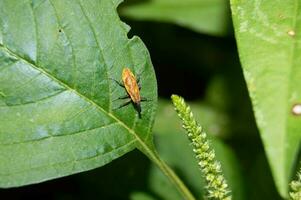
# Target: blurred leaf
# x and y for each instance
(159, 185)
(56, 97)
(214, 121)
(173, 145)
(204, 16)
(261, 182)
(227, 94)
(141, 196)
(217, 93)
(268, 38)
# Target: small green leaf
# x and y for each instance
(268, 35)
(57, 58)
(204, 16)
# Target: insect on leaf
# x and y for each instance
(57, 113)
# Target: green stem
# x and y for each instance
(170, 174)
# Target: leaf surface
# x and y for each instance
(268, 37)
(57, 97)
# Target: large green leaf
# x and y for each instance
(205, 16)
(57, 58)
(268, 36)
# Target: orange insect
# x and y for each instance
(132, 87)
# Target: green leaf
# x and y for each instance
(174, 141)
(141, 196)
(57, 58)
(268, 36)
(204, 16)
(216, 122)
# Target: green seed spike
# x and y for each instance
(295, 185)
(217, 186)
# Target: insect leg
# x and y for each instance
(118, 82)
(122, 97)
(145, 99)
(139, 78)
(124, 104)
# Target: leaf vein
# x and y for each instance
(36, 30)
(100, 52)
(69, 42)
(56, 136)
(63, 163)
(37, 101)
(9, 65)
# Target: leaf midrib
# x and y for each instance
(145, 147)
(56, 136)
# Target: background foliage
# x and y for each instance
(197, 58)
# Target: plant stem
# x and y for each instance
(171, 175)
